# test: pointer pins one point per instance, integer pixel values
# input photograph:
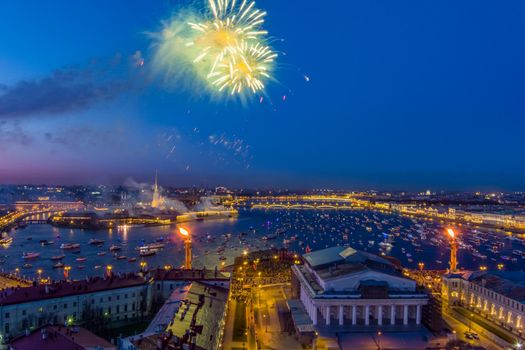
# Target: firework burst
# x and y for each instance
(224, 48)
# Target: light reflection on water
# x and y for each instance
(316, 229)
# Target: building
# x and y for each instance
(497, 296)
(343, 287)
(197, 314)
(60, 338)
(96, 302)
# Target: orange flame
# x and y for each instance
(451, 233)
(184, 232)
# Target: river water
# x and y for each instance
(409, 240)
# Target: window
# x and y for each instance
(118, 309)
(24, 312)
(75, 304)
(7, 315)
(65, 306)
(6, 328)
(54, 307)
(118, 297)
(126, 296)
(171, 286)
(109, 298)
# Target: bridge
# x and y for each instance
(291, 206)
(12, 219)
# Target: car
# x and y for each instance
(475, 336)
(469, 336)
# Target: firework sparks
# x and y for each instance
(224, 46)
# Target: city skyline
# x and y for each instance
(369, 96)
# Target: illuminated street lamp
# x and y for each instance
(109, 268)
(421, 266)
(143, 266)
(453, 250)
(187, 247)
(66, 271)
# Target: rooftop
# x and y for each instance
(200, 314)
(333, 262)
(60, 338)
(17, 295)
(187, 275)
(508, 283)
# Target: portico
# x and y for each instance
(357, 290)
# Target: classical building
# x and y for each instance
(96, 301)
(344, 287)
(498, 296)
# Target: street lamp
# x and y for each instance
(108, 270)
(66, 271)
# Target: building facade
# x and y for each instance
(498, 296)
(345, 287)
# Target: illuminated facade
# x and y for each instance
(343, 287)
(498, 296)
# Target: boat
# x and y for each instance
(147, 252)
(132, 260)
(94, 241)
(122, 257)
(69, 246)
(101, 253)
(114, 248)
(58, 265)
(81, 259)
(6, 240)
(27, 266)
(57, 257)
(30, 255)
(152, 246)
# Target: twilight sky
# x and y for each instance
(402, 95)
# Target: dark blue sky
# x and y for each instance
(402, 95)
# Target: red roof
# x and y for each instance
(60, 338)
(61, 289)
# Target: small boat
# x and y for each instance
(27, 266)
(81, 259)
(94, 241)
(122, 257)
(101, 253)
(69, 246)
(132, 260)
(58, 257)
(97, 267)
(58, 265)
(114, 248)
(6, 240)
(147, 252)
(30, 255)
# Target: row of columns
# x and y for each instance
(312, 311)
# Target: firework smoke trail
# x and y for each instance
(223, 49)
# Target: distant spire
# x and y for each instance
(156, 182)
